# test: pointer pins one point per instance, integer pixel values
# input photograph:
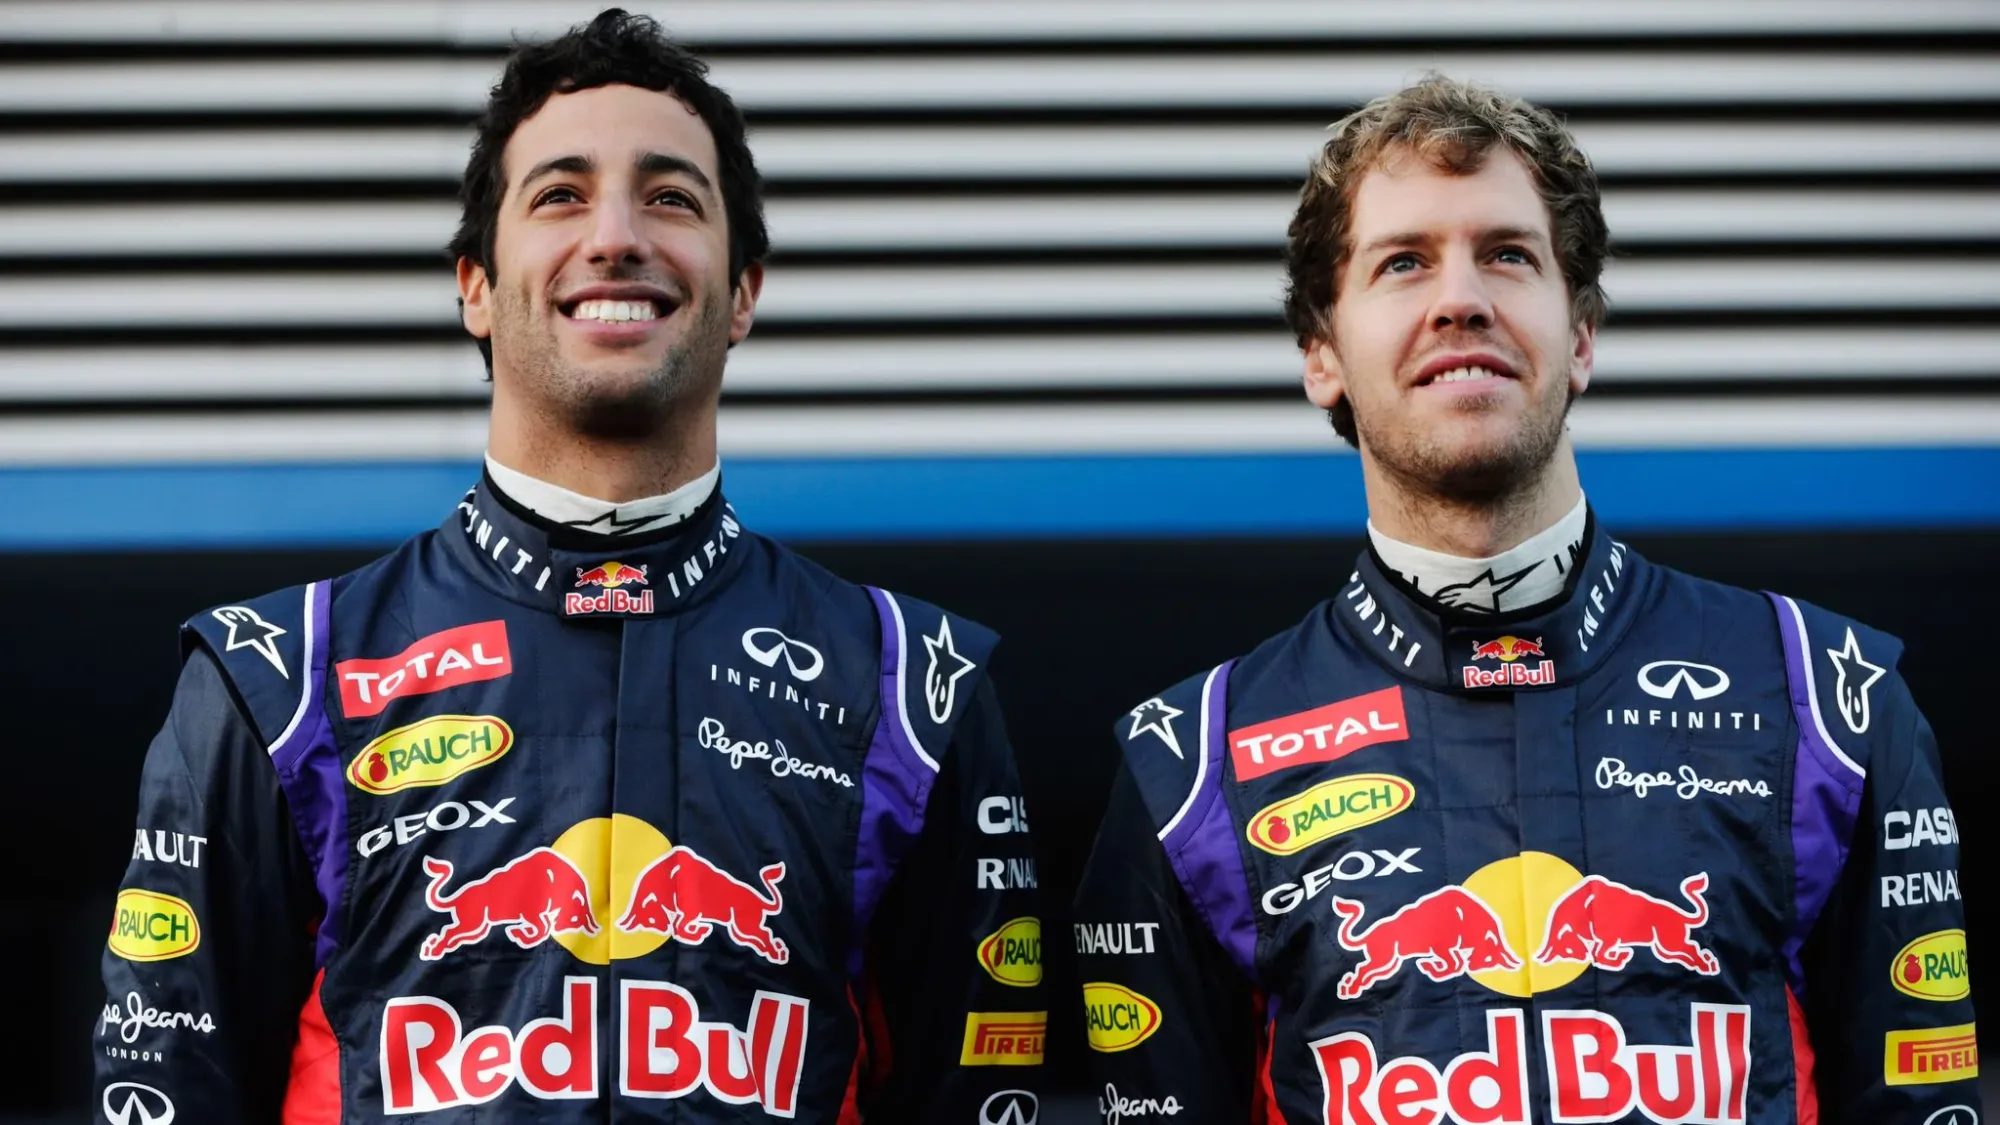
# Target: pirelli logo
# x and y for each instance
(1930, 1056)
(1004, 1038)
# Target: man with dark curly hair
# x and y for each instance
(591, 804)
(1516, 826)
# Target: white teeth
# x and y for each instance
(1460, 374)
(615, 311)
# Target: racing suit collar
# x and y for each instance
(576, 574)
(1557, 642)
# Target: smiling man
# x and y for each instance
(1516, 826)
(591, 804)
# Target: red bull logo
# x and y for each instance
(1448, 933)
(531, 899)
(1508, 649)
(429, 1062)
(1600, 921)
(602, 869)
(610, 578)
(686, 896)
(1533, 901)
(1595, 1074)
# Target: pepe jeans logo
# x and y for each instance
(765, 645)
(136, 1015)
(712, 735)
(1686, 784)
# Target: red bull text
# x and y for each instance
(430, 1062)
(610, 579)
(1594, 1073)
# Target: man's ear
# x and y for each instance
(1582, 358)
(1326, 380)
(743, 302)
(474, 293)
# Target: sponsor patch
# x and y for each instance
(1323, 734)
(1329, 809)
(429, 752)
(1932, 967)
(1012, 954)
(149, 926)
(1117, 1018)
(1930, 1056)
(1004, 1038)
(464, 655)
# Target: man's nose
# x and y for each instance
(614, 233)
(1463, 300)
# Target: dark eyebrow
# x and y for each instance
(660, 163)
(574, 165)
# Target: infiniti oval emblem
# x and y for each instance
(129, 1103)
(1703, 681)
(766, 644)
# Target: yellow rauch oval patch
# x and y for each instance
(149, 926)
(1328, 809)
(1932, 967)
(1118, 1019)
(1012, 954)
(430, 752)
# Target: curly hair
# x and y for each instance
(1453, 125)
(616, 48)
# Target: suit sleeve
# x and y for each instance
(954, 1004)
(1887, 1001)
(210, 955)
(1143, 954)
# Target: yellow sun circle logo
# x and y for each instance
(1521, 889)
(609, 852)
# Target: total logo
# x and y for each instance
(1481, 928)
(464, 655)
(429, 1062)
(609, 888)
(1595, 1073)
(1509, 650)
(1323, 734)
(610, 578)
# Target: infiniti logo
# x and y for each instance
(777, 644)
(1703, 681)
(141, 1105)
(1009, 1107)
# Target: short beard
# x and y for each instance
(638, 408)
(1491, 476)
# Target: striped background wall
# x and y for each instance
(1027, 268)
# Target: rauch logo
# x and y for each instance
(1327, 809)
(1933, 967)
(1117, 1018)
(430, 752)
(1012, 954)
(149, 926)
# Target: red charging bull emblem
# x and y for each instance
(686, 896)
(1508, 650)
(1600, 922)
(1533, 901)
(610, 578)
(533, 898)
(1448, 933)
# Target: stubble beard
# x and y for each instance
(622, 406)
(1425, 464)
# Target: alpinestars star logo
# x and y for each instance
(1482, 594)
(1852, 677)
(947, 667)
(247, 630)
(1157, 715)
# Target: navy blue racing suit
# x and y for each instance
(1659, 850)
(520, 824)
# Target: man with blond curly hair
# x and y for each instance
(1516, 826)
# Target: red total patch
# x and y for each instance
(1323, 734)
(464, 655)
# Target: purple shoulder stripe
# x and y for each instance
(896, 780)
(1200, 840)
(1826, 794)
(308, 762)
